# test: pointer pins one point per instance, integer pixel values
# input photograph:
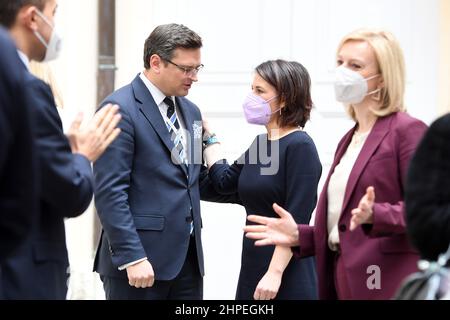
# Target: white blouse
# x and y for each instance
(337, 185)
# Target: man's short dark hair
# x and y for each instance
(10, 8)
(166, 38)
(292, 82)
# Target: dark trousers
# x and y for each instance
(1, 287)
(187, 285)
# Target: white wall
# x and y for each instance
(238, 35)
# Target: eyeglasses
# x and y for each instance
(188, 71)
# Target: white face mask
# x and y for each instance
(53, 47)
(350, 87)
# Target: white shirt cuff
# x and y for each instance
(131, 264)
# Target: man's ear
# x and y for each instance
(155, 63)
(27, 17)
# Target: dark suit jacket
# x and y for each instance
(428, 192)
(18, 174)
(39, 270)
(143, 199)
(382, 163)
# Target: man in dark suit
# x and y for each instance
(428, 192)
(149, 181)
(39, 269)
(18, 180)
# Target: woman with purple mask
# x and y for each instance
(280, 166)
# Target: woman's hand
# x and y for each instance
(268, 286)
(273, 231)
(364, 213)
(206, 128)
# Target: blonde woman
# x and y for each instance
(43, 71)
(359, 238)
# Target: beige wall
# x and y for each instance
(444, 57)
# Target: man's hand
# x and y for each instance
(141, 275)
(273, 231)
(364, 213)
(92, 140)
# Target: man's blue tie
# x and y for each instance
(176, 138)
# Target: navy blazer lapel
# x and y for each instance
(379, 131)
(150, 110)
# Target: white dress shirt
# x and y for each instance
(337, 185)
(24, 59)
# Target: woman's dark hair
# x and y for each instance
(166, 38)
(292, 82)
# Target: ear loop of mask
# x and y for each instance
(41, 39)
(37, 33)
(376, 90)
(275, 110)
(43, 17)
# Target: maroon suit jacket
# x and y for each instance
(383, 164)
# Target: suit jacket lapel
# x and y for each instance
(151, 112)
(376, 136)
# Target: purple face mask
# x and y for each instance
(257, 110)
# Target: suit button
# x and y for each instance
(189, 219)
(111, 250)
(342, 228)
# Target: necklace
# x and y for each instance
(359, 138)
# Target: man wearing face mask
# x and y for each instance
(39, 268)
(359, 235)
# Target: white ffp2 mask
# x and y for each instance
(53, 47)
(350, 87)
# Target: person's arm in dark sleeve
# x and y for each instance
(219, 180)
(112, 172)
(389, 218)
(67, 177)
(209, 193)
(18, 172)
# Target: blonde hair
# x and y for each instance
(44, 72)
(391, 65)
